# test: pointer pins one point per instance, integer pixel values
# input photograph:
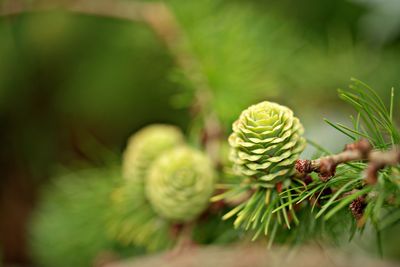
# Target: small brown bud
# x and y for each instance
(357, 207)
(303, 166)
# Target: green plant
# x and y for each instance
(363, 178)
(268, 190)
(71, 220)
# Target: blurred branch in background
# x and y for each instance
(162, 21)
(254, 255)
(156, 14)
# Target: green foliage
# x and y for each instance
(374, 121)
(264, 210)
(248, 52)
(132, 220)
(212, 230)
(229, 49)
(245, 53)
(312, 207)
(69, 226)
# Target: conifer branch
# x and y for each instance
(358, 151)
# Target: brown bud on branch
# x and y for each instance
(358, 151)
(357, 207)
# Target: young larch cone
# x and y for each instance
(180, 184)
(266, 142)
(145, 146)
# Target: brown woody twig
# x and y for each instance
(358, 151)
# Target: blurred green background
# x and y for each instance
(74, 87)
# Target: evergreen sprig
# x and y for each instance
(69, 227)
(349, 188)
(132, 221)
(374, 122)
(343, 185)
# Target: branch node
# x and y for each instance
(327, 169)
(361, 150)
(363, 146)
(372, 173)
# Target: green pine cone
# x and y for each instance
(180, 184)
(266, 142)
(145, 146)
